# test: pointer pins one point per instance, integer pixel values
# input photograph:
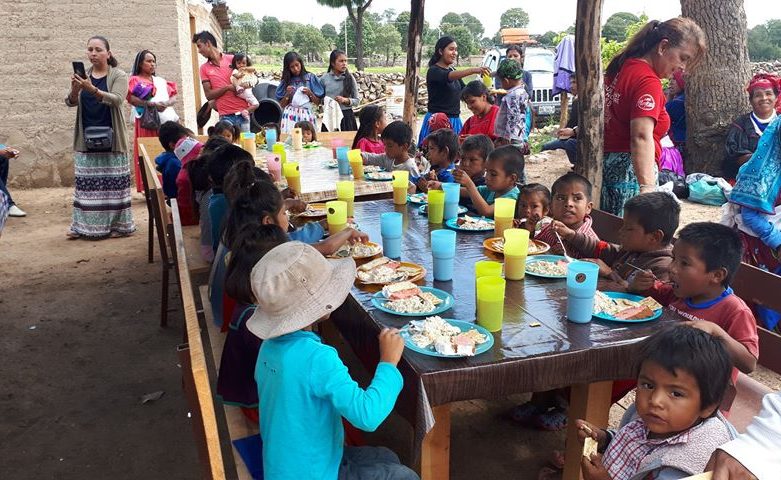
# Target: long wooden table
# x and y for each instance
(555, 354)
(318, 181)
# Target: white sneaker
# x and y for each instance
(15, 211)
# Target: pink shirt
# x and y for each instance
(218, 77)
(370, 146)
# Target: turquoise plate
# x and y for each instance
(447, 303)
(417, 198)
(452, 224)
(634, 298)
(464, 326)
(548, 258)
(424, 210)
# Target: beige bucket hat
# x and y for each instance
(294, 286)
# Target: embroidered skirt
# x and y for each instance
(292, 115)
(619, 182)
(101, 200)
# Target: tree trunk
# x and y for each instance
(591, 98)
(715, 89)
(359, 65)
(414, 47)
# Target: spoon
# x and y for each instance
(563, 248)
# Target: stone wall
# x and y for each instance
(767, 67)
(41, 39)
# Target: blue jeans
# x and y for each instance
(238, 120)
(4, 179)
(569, 145)
(373, 463)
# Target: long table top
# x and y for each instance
(318, 181)
(557, 353)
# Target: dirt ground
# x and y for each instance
(81, 345)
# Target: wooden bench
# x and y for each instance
(194, 370)
(753, 285)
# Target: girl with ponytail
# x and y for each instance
(635, 117)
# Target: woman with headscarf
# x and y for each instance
(635, 118)
(444, 84)
(146, 90)
(755, 208)
(744, 133)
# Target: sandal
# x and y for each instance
(553, 420)
(71, 235)
(526, 413)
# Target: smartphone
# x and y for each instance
(78, 69)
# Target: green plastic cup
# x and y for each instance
(490, 302)
(436, 206)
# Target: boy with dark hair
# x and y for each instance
(674, 425)
(650, 221)
(705, 258)
(397, 137)
(571, 208)
(474, 153)
(167, 162)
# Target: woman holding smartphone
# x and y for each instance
(101, 200)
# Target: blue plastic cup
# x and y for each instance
(271, 138)
(391, 229)
(581, 287)
(452, 195)
(341, 158)
(443, 249)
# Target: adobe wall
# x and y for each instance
(41, 39)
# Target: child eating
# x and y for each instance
(372, 124)
(167, 162)
(442, 152)
(705, 258)
(533, 205)
(396, 138)
(303, 387)
(650, 220)
(308, 133)
(674, 425)
(570, 207)
(502, 171)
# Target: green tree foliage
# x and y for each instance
(244, 33)
(356, 10)
(610, 48)
(615, 26)
(764, 41)
(450, 19)
(370, 26)
(289, 30)
(309, 42)
(270, 30)
(329, 33)
(464, 39)
(474, 25)
(388, 15)
(547, 38)
(514, 18)
(387, 42)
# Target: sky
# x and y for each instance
(556, 16)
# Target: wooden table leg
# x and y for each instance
(590, 402)
(435, 454)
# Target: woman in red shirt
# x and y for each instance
(479, 102)
(635, 117)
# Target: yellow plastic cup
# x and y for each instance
(336, 212)
(279, 149)
(293, 176)
(504, 210)
(345, 192)
(436, 206)
(516, 247)
(490, 302)
(248, 143)
(488, 268)
(298, 138)
(400, 182)
(356, 163)
(487, 81)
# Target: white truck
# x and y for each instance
(539, 62)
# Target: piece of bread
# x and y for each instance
(650, 303)
(428, 296)
(400, 290)
(373, 264)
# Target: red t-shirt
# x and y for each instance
(729, 312)
(218, 77)
(635, 92)
(370, 146)
(476, 125)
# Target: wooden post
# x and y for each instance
(590, 402)
(414, 47)
(564, 116)
(435, 454)
(591, 96)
